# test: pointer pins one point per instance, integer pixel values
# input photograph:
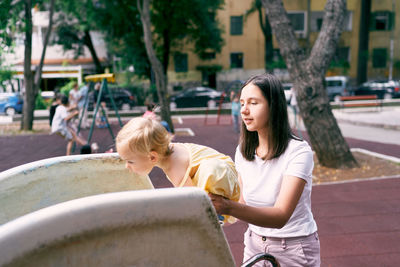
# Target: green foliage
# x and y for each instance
(76, 18)
(5, 75)
(340, 64)
(174, 23)
(67, 87)
(40, 103)
(396, 65)
(277, 64)
(10, 22)
(187, 21)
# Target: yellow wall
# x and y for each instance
(251, 42)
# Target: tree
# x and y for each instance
(160, 77)
(6, 75)
(179, 22)
(9, 25)
(256, 6)
(174, 24)
(124, 38)
(31, 82)
(307, 73)
(74, 23)
(363, 42)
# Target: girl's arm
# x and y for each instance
(241, 199)
(271, 217)
(71, 115)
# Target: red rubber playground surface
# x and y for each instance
(358, 222)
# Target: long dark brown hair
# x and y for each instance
(279, 131)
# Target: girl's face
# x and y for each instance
(136, 162)
(254, 108)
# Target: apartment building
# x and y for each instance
(243, 53)
(59, 65)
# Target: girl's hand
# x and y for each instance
(221, 204)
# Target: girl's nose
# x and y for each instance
(244, 109)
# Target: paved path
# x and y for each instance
(358, 221)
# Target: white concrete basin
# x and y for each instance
(43, 183)
(160, 227)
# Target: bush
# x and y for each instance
(40, 103)
(67, 87)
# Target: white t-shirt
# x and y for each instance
(74, 96)
(59, 123)
(262, 181)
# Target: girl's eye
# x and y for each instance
(253, 103)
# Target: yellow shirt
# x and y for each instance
(213, 172)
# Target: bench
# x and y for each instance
(360, 101)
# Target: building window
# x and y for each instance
(318, 16)
(181, 62)
(236, 60)
(379, 57)
(341, 57)
(236, 25)
(298, 21)
(348, 21)
(209, 55)
(382, 21)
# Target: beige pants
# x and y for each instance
(293, 251)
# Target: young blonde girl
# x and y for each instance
(144, 144)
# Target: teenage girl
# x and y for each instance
(275, 172)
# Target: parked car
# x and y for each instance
(287, 87)
(121, 97)
(337, 86)
(383, 89)
(197, 97)
(11, 103)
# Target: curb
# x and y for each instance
(378, 155)
(374, 154)
(376, 125)
(359, 180)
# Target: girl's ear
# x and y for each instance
(154, 156)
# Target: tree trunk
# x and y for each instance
(29, 96)
(267, 32)
(363, 41)
(166, 51)
(308, 74)
(39, 68)
(88, 42)
(161, 80)
(32, 83)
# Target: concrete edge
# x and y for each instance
(371, 124)
(359, 180)
(374, 154)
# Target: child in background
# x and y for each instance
(144, 143)
(152, 115)
(235, 109)
(60, 124)
(56, 102)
